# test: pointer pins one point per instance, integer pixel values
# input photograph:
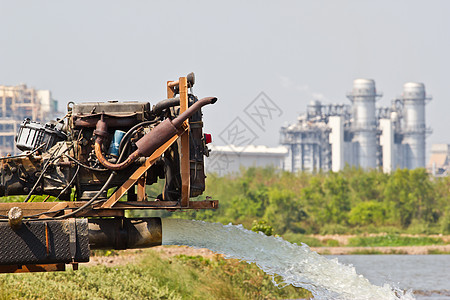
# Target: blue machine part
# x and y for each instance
(114, 146)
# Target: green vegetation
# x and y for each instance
(373, 251)
(181, 277)
(366, 252)
(262, 226)
(393, 241)
(351, 201)
(436, 251)
(301, 238)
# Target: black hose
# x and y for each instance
(70, 183)
(24, 154)
(150, 205)
(127, 135)
(50, 161)
(164, 104)
(85, 166)
(104, 187)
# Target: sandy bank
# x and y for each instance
(132, 256)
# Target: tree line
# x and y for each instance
(350, 201)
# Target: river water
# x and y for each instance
(297, 265)
(427, 275)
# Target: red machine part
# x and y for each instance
(208, 138)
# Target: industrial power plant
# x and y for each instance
(327, 137)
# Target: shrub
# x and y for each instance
(262, 226)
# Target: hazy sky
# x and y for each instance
(293, 51)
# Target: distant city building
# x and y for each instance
(229, 159)
(439, 164)
(18, 103)
(327, 137)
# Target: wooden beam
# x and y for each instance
(141, 195)
(170, 92)
(185, 163)
(54, 210)
(202, 204)
(115, 211)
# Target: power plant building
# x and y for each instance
(439, 163)
(327, 137)
(230, 158)
(18, 103)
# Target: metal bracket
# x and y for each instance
(72, 238)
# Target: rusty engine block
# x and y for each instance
(95, 139)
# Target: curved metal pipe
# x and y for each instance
(168, 128)
(178, 121)
(101, 131)
(115, 167)
(163, 104)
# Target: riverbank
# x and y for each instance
(410, 250)
(124, 257)
(344, 239)
(150, 274)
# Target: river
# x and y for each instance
(427, 275)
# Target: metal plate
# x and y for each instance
(44, 242)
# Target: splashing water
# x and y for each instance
(297, 265)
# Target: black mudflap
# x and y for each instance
(44, 242)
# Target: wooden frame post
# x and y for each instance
(185, 161)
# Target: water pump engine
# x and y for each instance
(97, 161)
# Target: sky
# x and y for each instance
(246, 53)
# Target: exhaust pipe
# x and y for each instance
(123, 233)
(149, 142)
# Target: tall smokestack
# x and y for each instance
(363, 97)
(413, 98)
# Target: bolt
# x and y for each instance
(15, 216)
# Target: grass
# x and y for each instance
(389, 240)
(373, 251)
(309, 240)
(436, 251)
(393, 240)
(300, 238)
(331, 243)
(180, 277)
